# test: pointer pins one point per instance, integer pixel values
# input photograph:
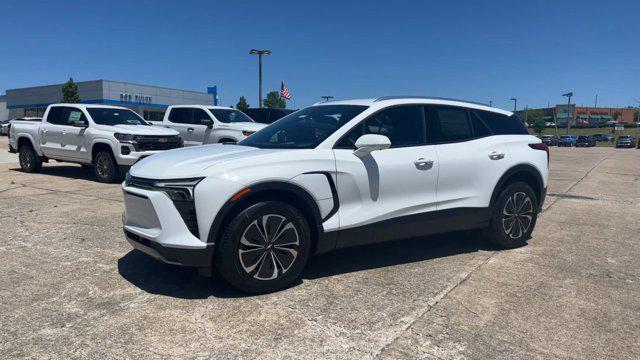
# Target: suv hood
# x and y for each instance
(193, 161)
(138, 130)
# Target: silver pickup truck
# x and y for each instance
(108, 138)
(201, 124)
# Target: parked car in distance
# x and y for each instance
(334, 175)
(108, 138)
(585, 141)
(202, 124)
(567, 140)
(4, 127)
(602, 137)
(268, 115)
(626, 141)
(550, 140)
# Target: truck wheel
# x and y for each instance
(513, 216)
(105, 167)
(29, 161)
(265, 248)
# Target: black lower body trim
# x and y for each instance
(430, 223)
(177, 256)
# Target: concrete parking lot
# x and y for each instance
(71, 287)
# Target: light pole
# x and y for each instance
(260, 53)
(326, 97)
(515, 104)
(568, 95)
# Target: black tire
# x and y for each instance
(105, 167)
(511, 231)
(29, 160)
(245, 265)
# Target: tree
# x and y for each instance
(70, 92)
(242, 104)
(538, 126)
(274, 100)
(615, 116)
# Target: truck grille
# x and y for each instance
(149, 143)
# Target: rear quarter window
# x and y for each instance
(502, 124)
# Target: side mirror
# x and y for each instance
(207, 122)
(79, 123)
(371, 142)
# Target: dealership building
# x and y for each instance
(148, 101)
(584, 115)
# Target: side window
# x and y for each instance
(56, 115)
(180, 115)
(73, 115)
(451, 125)
(502, 124)
(480, 129)
(199, 115)
(403, 125)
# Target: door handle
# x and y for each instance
(496, 156)
(422, 164)
(190, 129)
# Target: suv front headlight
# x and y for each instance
(126, 138)
(176, 189)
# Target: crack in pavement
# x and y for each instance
(462, 279)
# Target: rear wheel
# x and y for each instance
(514, 216)
(29, 160)
(265, 248)
(105, 167)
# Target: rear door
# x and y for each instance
(51, 131)
(472, 158)
(181, 119)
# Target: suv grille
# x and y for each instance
(148, 143)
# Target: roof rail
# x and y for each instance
(397, 97)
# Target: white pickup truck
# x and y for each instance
(108, 138)
(201, 124)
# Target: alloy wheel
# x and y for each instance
(26, 158)
(517, 215)
(269, 246)
(103, 165)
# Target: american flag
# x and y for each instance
(284, 92)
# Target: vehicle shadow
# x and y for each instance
(158, 278)
(66, 171)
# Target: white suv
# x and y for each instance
(334, 175)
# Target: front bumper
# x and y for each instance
(153, 225)
(134, 157)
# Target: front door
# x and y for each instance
(181, 120)
(387, 193)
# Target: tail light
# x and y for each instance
(541, 146)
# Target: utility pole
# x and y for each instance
(326, 97)
(568, 95)
(490, 103)
(596, 103)
(260, 53)
(515, 104)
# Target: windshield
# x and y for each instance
(304, 129)
(108, 116)
(230, 115)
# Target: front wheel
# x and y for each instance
(30, 162)
(514, 216)
(265, 248)
(105, 167)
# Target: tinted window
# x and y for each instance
(304, 129)
(480, 129)
(199, 115)
(56, 115)
(450, 124)
(74, 115)
(110, 116)
(180, 115)
(403, 125)
(230, 115)
(258, 115)
(502, 124)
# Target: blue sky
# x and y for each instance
(475, 50)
